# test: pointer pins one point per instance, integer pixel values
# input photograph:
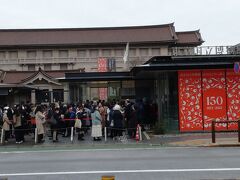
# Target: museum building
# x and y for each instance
(191, 84)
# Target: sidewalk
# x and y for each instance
(196, 139)
(168, 140)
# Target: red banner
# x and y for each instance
(102, 93)
(102, 65)
(233, 98)
(190, 101)
(214, 98)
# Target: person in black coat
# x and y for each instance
(133, 121)
(118, 121)
(55, 126)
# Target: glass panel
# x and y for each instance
(63, 53)
(47, 53)
(63, 66)
(156, 51)
(81, 53)
(132, 52)
(31, 67)
(47, 67)
(31, 54)
(13, 54)
(2, 55)
(94, 52)
(106, 52)
(119, 52)
(144, 52)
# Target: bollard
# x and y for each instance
(239, 130)
(213, 132)
(108, 178)
(140, 133)
(36, 136)
(72, 129)
(105, 133)
(2, 136)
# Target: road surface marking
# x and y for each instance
(120, 171)
(93, 150)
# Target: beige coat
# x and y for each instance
(40, 120)
(6, 123)
(17, 120)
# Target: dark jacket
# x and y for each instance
(117, 119)
(57, 117)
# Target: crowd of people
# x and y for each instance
(94, 116)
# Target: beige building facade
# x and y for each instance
(57, 51)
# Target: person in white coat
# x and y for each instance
(96, 124)
(40, 121)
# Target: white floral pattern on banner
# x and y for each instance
(233, 93)
(190, 101)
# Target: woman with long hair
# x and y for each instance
(17, 121)
(40, 120)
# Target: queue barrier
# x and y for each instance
(214, 122)
(35, 131)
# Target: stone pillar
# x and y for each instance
(84, 92)
(88, 92)
(66, 97)
(33, 96)
(51, 94)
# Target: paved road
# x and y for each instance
(124, 164)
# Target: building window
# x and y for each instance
(13, 54)
(94, 52)
(31, 67)
(81, 53)
(2, 55)
(63, 53)
(132, 52)
(143, 51)
(119, 52)
(156, 51)
(58, 95)
(106, 52)
(63, 66)
(31, 54)
(47, 53)
(47, 67)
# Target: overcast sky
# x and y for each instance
(218, 20)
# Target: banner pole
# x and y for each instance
(105, 133)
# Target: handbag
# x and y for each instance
(78, 124)
(53, 121)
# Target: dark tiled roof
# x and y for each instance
(90, 36)
(189, 38)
